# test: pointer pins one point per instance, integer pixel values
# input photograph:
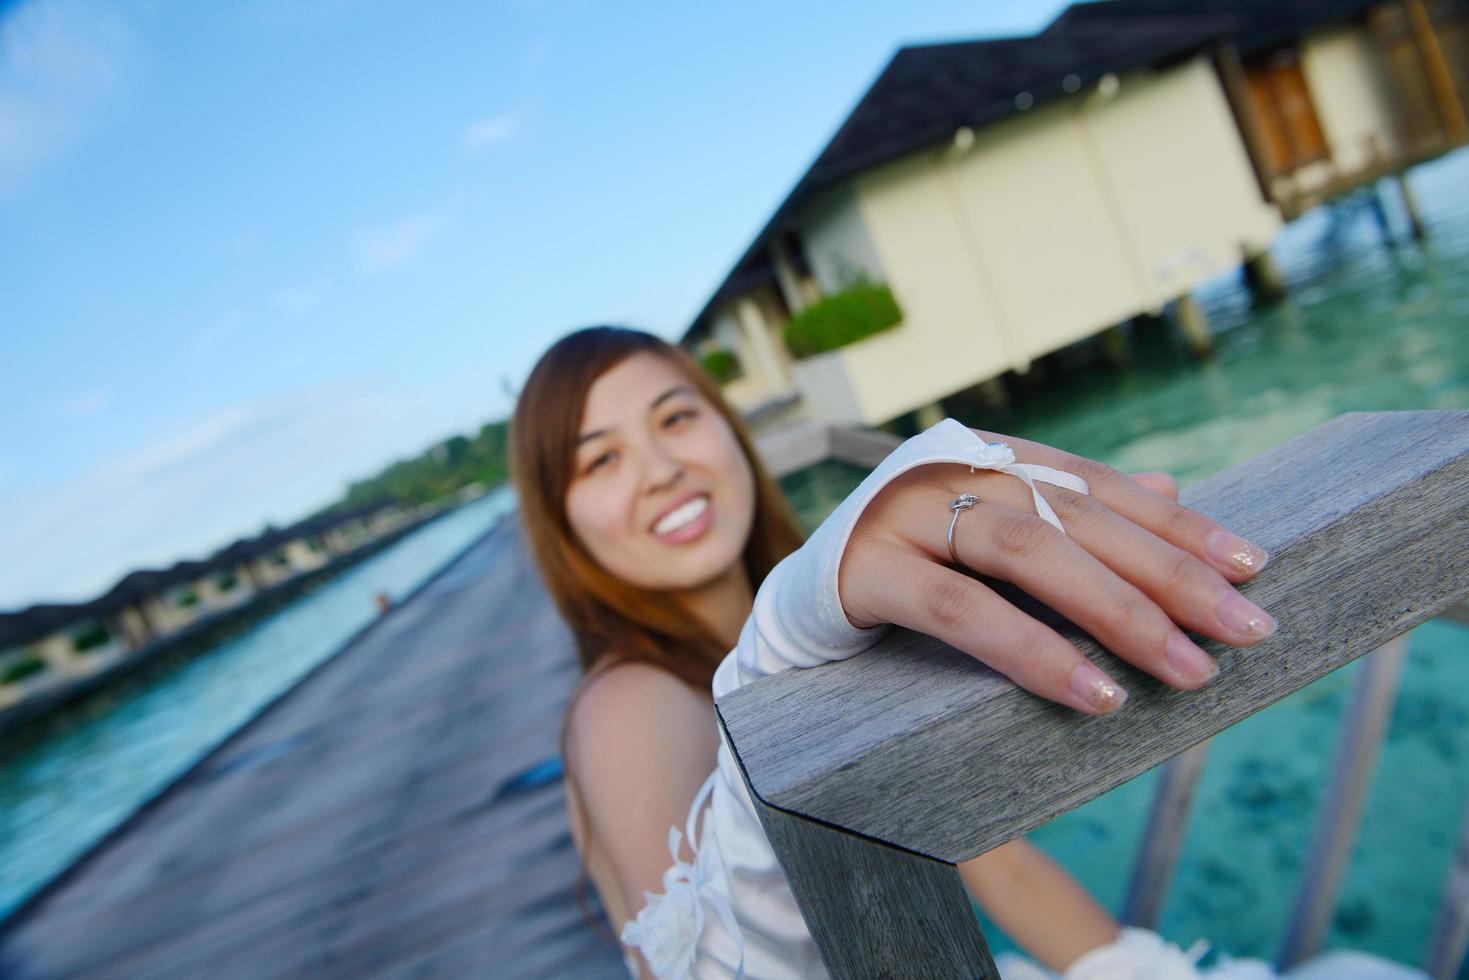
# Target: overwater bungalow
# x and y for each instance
(47, 646)
(990, 202)
(52, 646)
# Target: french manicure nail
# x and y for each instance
(1094, 691)
(1191, 663)
(1243, 616)
(1235, 551)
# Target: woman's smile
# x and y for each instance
(686, 520)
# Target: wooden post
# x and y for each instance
(1336, 823)
(876, 910)
(1437, 69)
(930, 414)
(1162, 838)
(1263, 279)
(1379, 214)
(1114, 347)
(1193, 323)
(1410, 205)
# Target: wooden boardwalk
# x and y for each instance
(364, 824)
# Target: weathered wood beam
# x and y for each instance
(919, 746)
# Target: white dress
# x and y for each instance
(729, 912)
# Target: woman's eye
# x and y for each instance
(600, 461)
(677, 417)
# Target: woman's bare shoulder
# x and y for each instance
(640, 743)
(634, 701)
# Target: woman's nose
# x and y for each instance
(664, 469)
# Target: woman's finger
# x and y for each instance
(1235, 557)
(1193, 594)
(916, 593)
(1159, 482)
(1026, 550)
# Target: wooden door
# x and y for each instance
(1289, 127)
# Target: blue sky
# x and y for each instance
(250, 251)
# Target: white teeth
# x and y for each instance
(682, 516)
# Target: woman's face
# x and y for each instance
(661, 494)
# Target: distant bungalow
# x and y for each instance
(990, 202)
(53, 646)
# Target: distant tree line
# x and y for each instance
(437, 472)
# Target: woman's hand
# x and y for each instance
(1131, 564)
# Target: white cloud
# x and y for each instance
(488, 131)
(61, 63)
(381, 248)
(197, 439)
(297, 299)
(201, 487)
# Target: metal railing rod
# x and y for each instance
(1162, 838)
(1336, 822)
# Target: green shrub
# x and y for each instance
(860, 310)
(188, 598)
(226, 581)
(90, 637)
(721, 365)
(22, 669)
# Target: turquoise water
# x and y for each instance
(68, 779)
(1367, 327)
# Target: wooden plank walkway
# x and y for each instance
(361, 825)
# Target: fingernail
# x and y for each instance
(1235, 552)
(1191, 663)
(1094, 691)
(1243, 616)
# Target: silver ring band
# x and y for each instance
(958, 505)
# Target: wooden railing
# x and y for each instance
(874, 776)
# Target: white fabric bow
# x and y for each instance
(668, 927)
(1000, 457)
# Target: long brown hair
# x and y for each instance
(615, 622)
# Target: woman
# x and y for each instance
(654, 525)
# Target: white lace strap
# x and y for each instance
(719, 901)
(691, 825)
